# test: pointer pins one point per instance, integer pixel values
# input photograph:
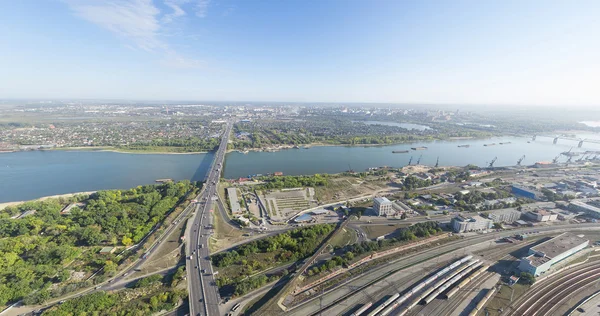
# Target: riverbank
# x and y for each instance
(276, 148)
(66, 195)
(153, 151)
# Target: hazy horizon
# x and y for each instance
(510, 53)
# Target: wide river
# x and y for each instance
(33, 174)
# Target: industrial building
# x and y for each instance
(233, 201)
(589, 210)
(508, 216)
(383, 206)
(541, 216)
(541, 257)
(526, 192)
(474, 223)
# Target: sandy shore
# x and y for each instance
(3, 205)
(114, 150)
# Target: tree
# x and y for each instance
(527, 278)
(110, 267)
(126, 241)
(403, 216)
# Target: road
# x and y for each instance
(203, 291)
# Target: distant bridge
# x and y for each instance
(580, 140)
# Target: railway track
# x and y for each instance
(446, 307)
(550, 295)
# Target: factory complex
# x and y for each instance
(541, 257)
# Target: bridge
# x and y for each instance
(203, 291)
(579, 140)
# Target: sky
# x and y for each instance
(392, 51)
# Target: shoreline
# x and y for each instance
(110, 149)
(3, 205)
(287, 147)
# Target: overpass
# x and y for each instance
(203, 291)
(579, 140)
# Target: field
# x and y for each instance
(345, 188)
(343, 238)
(374, 231)
(225, 235)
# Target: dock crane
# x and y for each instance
(419, 160)
(555, 160)
(492, 163)
(437, 162)
(410, 161)
(520, 160)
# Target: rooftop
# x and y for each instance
(474, 218)
(557, 246)
(588, 207)
(381, 200)
(303, 218)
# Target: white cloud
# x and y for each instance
(202, 8)
(139, 21)
(135, 20)
(177, 10)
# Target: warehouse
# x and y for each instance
(474, 223)
(508, 215)
(541, 257)
(526, 192)
(589, 210)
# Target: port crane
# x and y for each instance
(520, 160)
(437, 162)
(555, 160)
(410, 160)
(569, 160)
(492, 163)
(419, 160)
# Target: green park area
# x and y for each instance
(242, 268)
(147, 296)
(51, 252)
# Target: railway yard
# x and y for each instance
(462, 277)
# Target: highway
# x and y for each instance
(203, 292)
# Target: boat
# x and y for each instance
(490, 144)
(419, 148)
(505, 143)
(464, 146)
(163, 180)
(400, 151)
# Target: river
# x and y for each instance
(32, 174)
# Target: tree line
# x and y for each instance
(46, 247)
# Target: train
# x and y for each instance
(460, 269)
(362, 309)
(396, 300)
(466, 281)
(484, 300)
(450, 283)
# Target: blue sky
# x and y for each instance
(476, 52)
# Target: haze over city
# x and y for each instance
(457, 52)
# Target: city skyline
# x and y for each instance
(534, 53)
